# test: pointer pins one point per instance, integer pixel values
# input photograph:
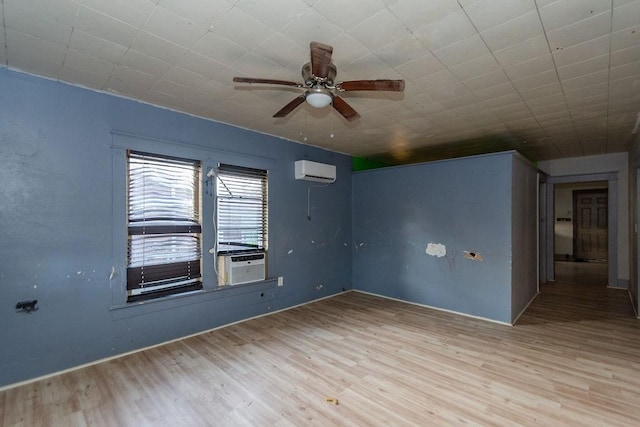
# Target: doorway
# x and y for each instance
(581, 221)
(581, 232)
(562, 221)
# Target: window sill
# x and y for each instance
(122, 311)
(245, 285)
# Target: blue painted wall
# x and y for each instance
(464, 204)
(61, 213)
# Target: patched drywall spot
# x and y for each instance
(436, 249)
(474, 256)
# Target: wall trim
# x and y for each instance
(201, 296)
(513, 322)
(459, 313)
(621, 284)
(117, 356)
(635, 311)
(123, 140)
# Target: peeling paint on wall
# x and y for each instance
(436, 249)
(335, 235)
(474, 256)
(451, 258)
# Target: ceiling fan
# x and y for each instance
(318, 76)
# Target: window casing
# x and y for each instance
(241, 209)
(164, 229)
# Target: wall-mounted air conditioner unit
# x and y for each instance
(312, 171)
(241, 268)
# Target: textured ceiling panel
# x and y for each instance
(549, 78)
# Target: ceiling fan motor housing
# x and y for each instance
(310, 80)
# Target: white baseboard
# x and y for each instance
(435, 308)
(635, 310)
(106, 359)
(525, 308)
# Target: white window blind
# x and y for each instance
(242, 209)
(164, 228)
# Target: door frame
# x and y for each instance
(542, 231)
(576, 224)
(549, 223)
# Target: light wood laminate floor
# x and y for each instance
(572, 359)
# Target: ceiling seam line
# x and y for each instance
(511, 82)
(446, 67)
(606, 140)
(433, 54)
(68, 46)
(555, 67)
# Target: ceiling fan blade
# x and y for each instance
(345, 109)
(290, 106)
(381, 85)
(267, 81)
(320, 59)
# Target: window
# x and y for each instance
(163, 195)
(242, 209)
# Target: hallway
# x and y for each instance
(581, 273)
(579, 292)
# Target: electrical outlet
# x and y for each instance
(280, 281)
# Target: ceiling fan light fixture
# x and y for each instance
(320, 89)
(318, 98)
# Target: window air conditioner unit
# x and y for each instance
(241, 268)
(312, 171)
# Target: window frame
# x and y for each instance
(210, 157)
(179, 229)
(230, 178)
